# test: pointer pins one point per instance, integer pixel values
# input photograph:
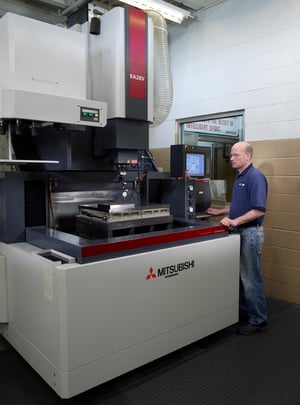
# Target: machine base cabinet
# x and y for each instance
(79, 325)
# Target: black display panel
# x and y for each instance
(190, 161)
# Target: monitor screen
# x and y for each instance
(195, 164)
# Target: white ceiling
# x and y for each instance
(57, 11)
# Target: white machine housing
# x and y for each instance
(108, 68)
(79, 325)
(40, 81)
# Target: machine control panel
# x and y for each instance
(188, 198)
(89, 114)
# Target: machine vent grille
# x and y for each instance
(35, 203)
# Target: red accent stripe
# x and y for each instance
(137, 53)
(124, 245)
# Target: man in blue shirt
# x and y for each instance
(245, 216)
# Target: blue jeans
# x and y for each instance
(252, 296)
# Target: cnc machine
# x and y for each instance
(100, 272)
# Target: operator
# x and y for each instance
(246, 214)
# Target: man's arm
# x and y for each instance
(243, 219)
(217, 211)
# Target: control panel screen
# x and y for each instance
(195, 164)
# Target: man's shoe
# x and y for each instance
(252, 329)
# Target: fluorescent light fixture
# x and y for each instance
(168, 11)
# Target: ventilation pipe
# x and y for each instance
(163, 89)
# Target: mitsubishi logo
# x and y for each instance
(171, 270)
(151, 274)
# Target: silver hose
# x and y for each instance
(163, 89)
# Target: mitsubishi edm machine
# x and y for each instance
(105, 263)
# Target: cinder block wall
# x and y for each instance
(279, 160)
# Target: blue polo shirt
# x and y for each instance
(249, 192)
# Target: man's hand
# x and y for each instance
(229, 223)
